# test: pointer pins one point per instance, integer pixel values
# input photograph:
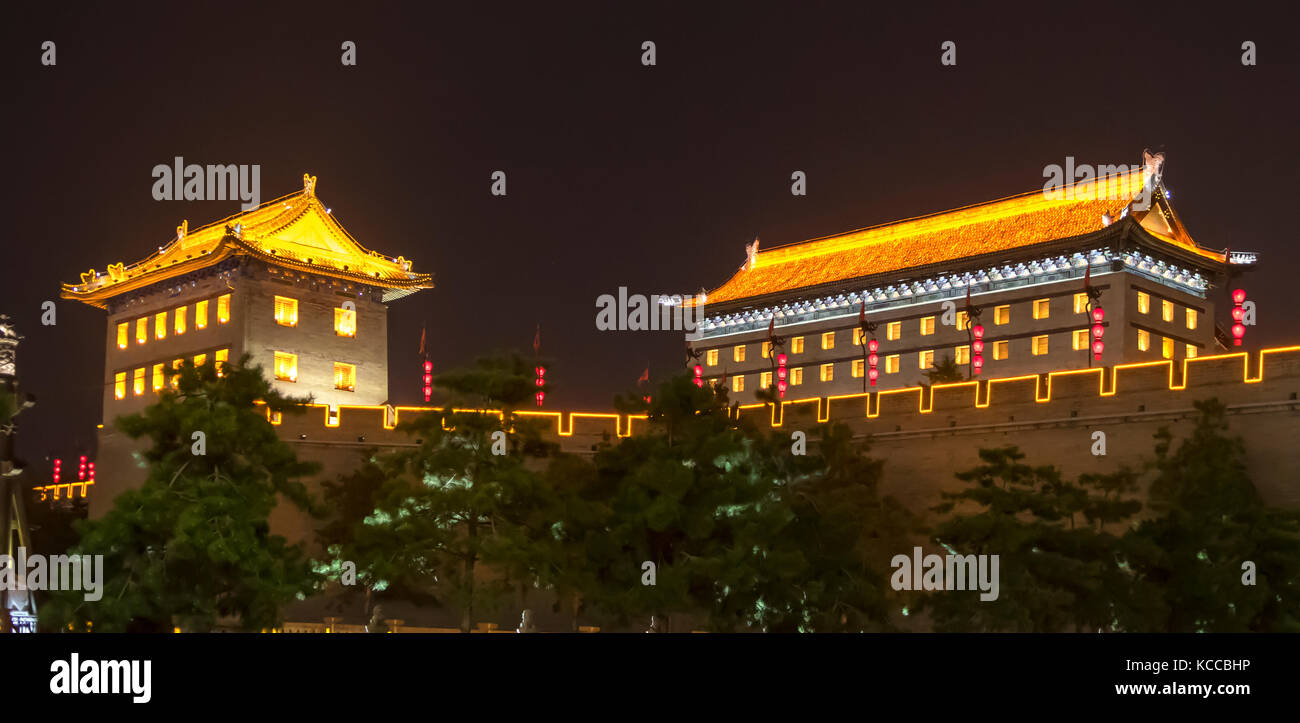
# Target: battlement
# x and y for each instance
(1126, 389)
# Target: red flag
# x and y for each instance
(645, 375)
(771, 327)
(862, 313)
(422, 352)
(1087, 275)
(537, 340)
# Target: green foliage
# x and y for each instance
(945, 371)
(193, 544)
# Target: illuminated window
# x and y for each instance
(286, 311)
(894, 330)
(711, 357)
(345, 376)
(1040, 345)
(765, 380)
(158, 380)
(1191, 318)
(765, 351)
(796, 375)
(345, 322)
(1167, 348)
(738, 353)
(223, 308)
(1167, 310)
(1002, 314)
(892, 364)
(176, 376)
(1080, 303)
(1080, 339)
(1191, 351)
(796, 345)
(963, 355)
(201, 315)
(963, 320)
(857, 337)
(1000, 350)
(1144, 340)
(858, 368)
(137, 381)
(119, 385)
(200, 359)
(1042, 308)
(1144, 302)
(828, 340)
(286, 366)
(828, 372)
(738, 383)
(927, 325)
(221, 356)
(925, 359)
(160, 325)
(180, 315)
(122, 332)
(142, 330)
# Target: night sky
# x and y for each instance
(653, 178)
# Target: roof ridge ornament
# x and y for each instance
(751, 255)
(308, 184)
(182, 230)
(1153, 164)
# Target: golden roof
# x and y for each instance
(295, 232)
(994, 226)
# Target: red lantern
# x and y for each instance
(1097, 348)
(81, 469)
(91, 471)
(541, 372)
(780, 388)
(781, 373)
(699, 375)
(1098, 330)
(428, 380)
(1238, 296)
(780, 359)
(1238, 331)
(873, 374)
(540, 397)
(1098, 314)
(977, 346)
(978, 331)
(873, 346)
(978, 363)
(1238, 313)
(58, 464)
(1238, 316)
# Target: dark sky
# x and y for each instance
(618, 174)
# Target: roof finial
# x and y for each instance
(182, 229)
(1152, 164)
(308, 184)
(751, 255)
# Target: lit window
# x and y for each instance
(927, 325)
(160, 325)
(119, 385)
(142, 330)
(158, 380)
(828, 340)
(765, 380)
(1042, 308)
(894, 330)
(223, 308)
(1191, 318)
(180, 320)
(1167, 310)
(1144, 340)
(201, 315)
(738, 383)
(345, 376)
(857, 337)
(892, 363)
(1144, 302)
(286, 311)
(1000, 350)
(963, 355)
(1080, 303)
(221, 356)
(738, 353)
(963, 320)
(176, 376)
(1191, 351)
(925, 359)
(765, 351)
(274, 417)
(122, 332)
(796, 375)
(137, 381)
(200, 359)
(1167, 348)
(796, 345)
(1080, 339)
(345, 322)
(286, 367)
(711, 357)
(1002, 314)
(1040, 345)
(828, 372)
(858, 366)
